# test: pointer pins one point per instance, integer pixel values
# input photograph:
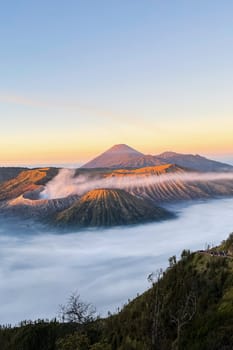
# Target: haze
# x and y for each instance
(39, 269)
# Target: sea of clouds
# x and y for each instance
(40, 268)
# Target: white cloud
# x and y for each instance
(39, 269)
(65, 183)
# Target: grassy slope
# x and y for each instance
(210, 279)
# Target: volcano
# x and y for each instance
(109, 207)
(123, 156)
(116, 157)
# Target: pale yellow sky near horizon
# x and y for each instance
(56, 132)
(78, 155)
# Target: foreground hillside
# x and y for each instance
(188, 307)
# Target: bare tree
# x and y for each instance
(186, 310)
(154, 278)
(77, 311)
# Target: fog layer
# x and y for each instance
(39, 269)
(65, 183)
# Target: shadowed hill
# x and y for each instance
(7, 173)
(110, 207)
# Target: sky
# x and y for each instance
(80, 76)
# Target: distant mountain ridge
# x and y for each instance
(123, 156)
(195, 162)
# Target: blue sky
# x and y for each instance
(79, 76)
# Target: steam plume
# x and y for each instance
(65, 183)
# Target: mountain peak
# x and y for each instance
(123, 148)
(114, 157)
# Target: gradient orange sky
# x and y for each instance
(157, 76)
(65, 145)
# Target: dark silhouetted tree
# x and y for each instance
(77, 311)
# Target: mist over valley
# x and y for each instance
(40, 268)
(63, 230)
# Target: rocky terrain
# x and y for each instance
(110, 207)
(26, 181)
(160, 184)
(100, 196)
